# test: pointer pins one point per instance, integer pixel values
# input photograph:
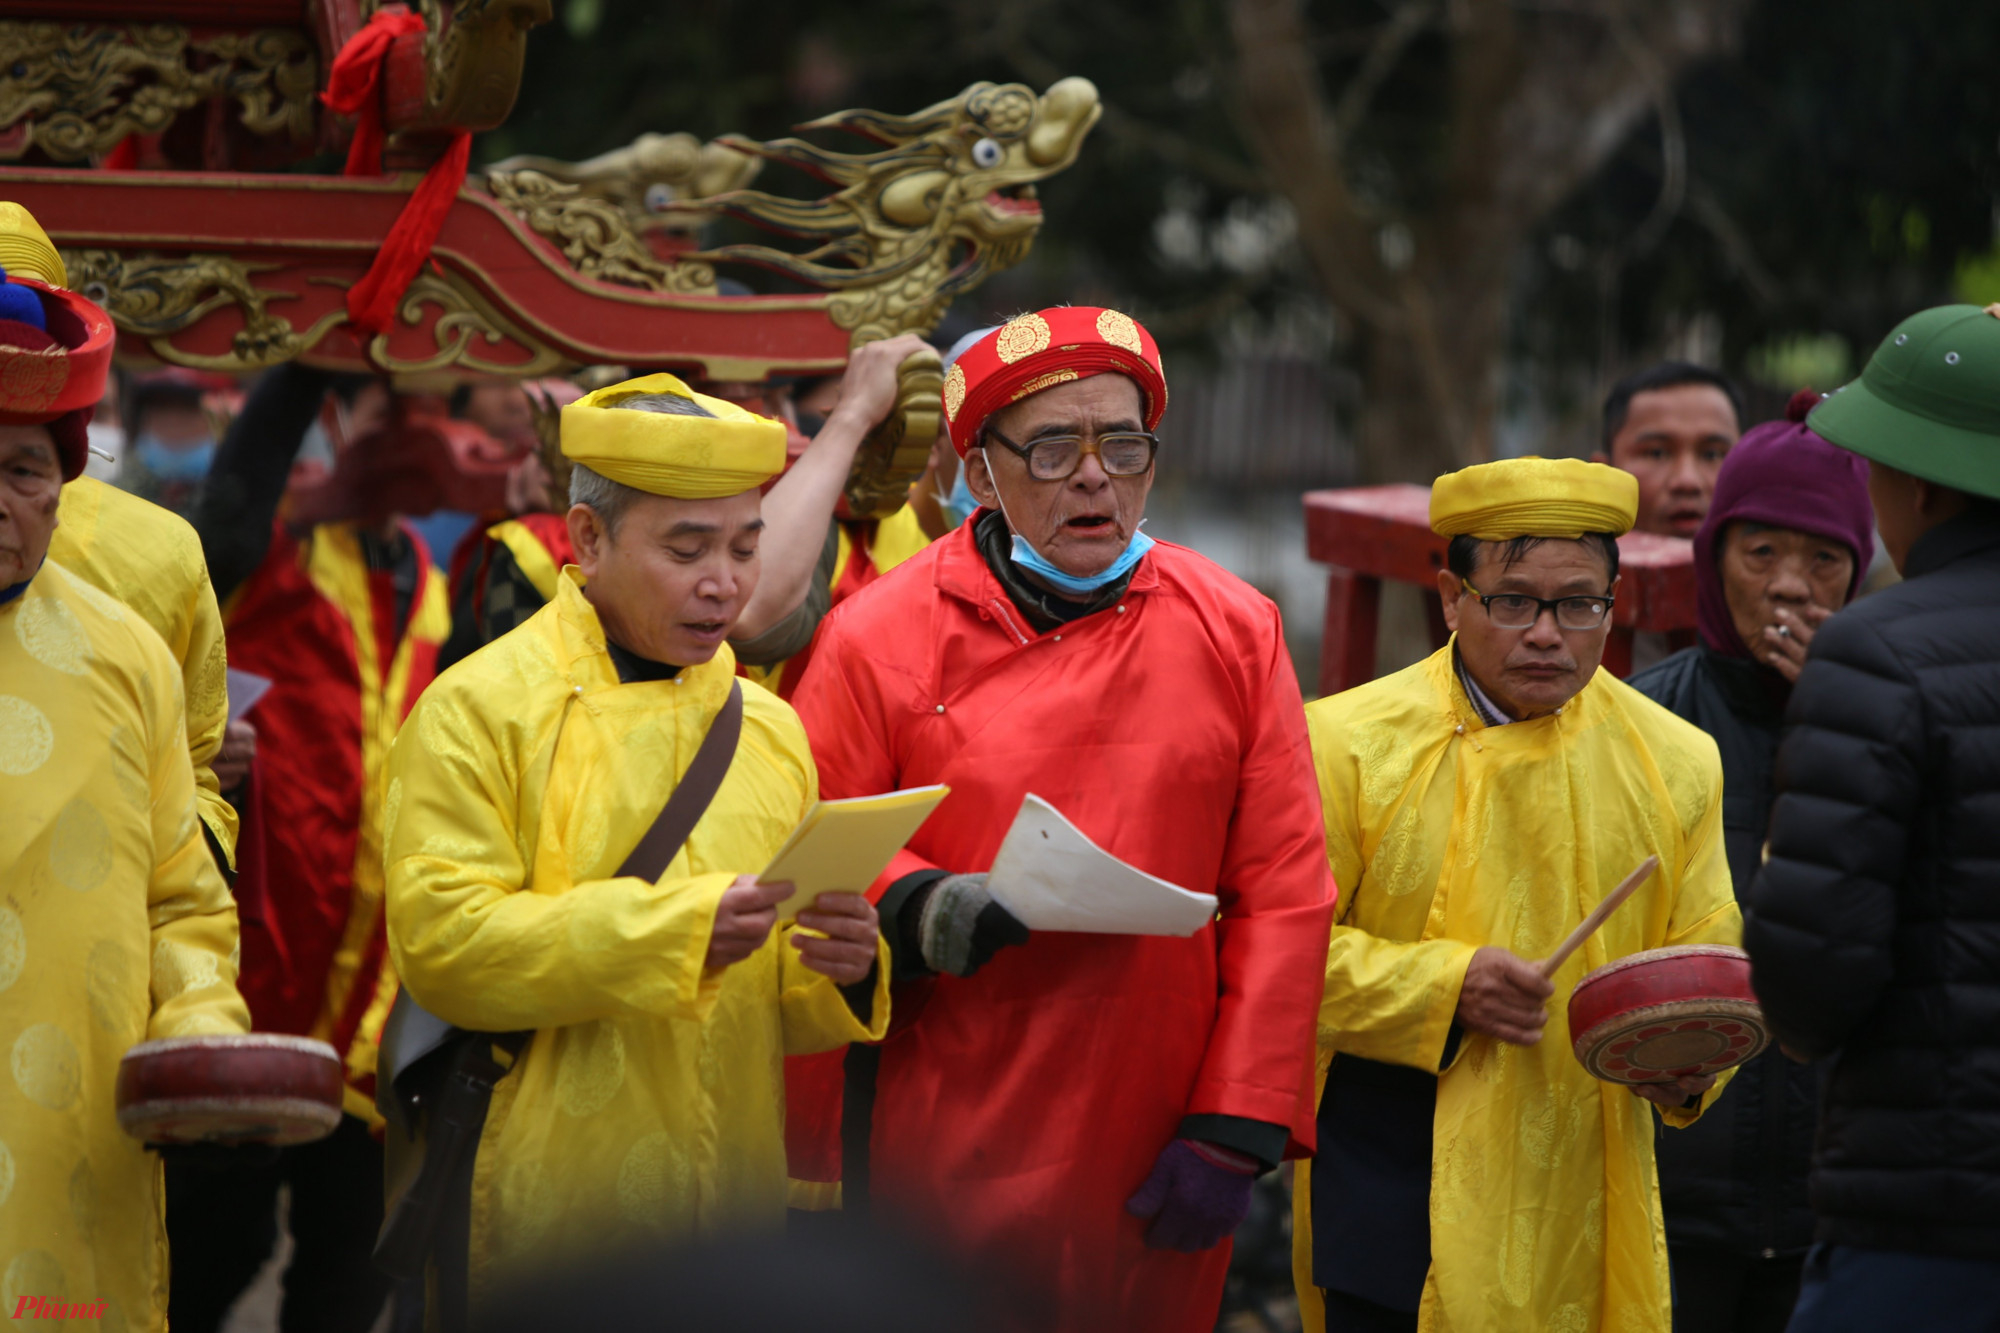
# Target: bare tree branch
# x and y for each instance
(1285, 114)
(1390, 41)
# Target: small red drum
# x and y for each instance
(257, 1087)
(1667, 1013)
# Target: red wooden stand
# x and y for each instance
(1371, 533)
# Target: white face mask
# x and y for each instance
(107, 449)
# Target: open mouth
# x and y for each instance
(1014, 199)
(1089, 525)
(706, 631)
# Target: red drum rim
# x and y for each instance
(235, 1041)
(1632, 960)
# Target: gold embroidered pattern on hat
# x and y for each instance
(1041, 382)
(32, 380)
(1119, 330)
(1021, 336)
(954, 391)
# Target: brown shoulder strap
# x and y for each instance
(690, 800)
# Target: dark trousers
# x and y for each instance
(1851, 1290)
(1351, 1314)
(1721, 1291)
(222, 1225)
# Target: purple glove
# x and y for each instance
(1197, 1196)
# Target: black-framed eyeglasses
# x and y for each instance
(1121, 453)
(1513, 610)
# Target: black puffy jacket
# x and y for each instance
(1736, 1178)
(1874, 932)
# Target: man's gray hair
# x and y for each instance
(610, 499)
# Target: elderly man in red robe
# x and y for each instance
(1084, 1112)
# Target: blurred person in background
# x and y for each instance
(1874, 930)
(171, 421)
(343, 613)
(1782, 548)
(647, 1106)
(504, 567)
(501, 409)
(1671, 425)
(1085, 1111)
(115, 924)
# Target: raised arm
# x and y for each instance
(800, 506)
(240, 498)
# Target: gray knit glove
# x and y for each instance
(962, 927)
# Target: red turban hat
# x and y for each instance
(1030, 353)
(55, 378)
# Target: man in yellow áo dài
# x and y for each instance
(649, 1103)
(115, 925)
(1471, 1175)
(145, 556)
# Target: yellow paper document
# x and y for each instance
(841, 846)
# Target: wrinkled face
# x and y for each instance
(1766, 568)
(1674, 441)
(30, 485)
(1534, 671)
(673, 577)
(1084, 522)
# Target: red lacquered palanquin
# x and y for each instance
(1372, 533)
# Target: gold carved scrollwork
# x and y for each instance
(75, 91)
(946, 203)
(647, 175)
(154, 297)
(466, 322)
(594, 235)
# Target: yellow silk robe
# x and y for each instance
(150, 559)
(1444, 835)
(115, 928)
(651, 1102)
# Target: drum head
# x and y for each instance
(1683, 1039)
(254, 1088)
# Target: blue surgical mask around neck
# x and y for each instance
(1027, 557)
(189, 463)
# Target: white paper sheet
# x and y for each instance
(1053, 878)
(245, 689)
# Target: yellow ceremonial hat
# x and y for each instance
(26, 250)
(1534, 497)
(727, 452)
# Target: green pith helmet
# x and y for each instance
(1928, 402)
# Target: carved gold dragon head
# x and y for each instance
(948, 201)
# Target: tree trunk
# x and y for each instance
(1539, 99)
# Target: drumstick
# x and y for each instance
(1612, 901)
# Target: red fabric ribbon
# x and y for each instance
(354, 87)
